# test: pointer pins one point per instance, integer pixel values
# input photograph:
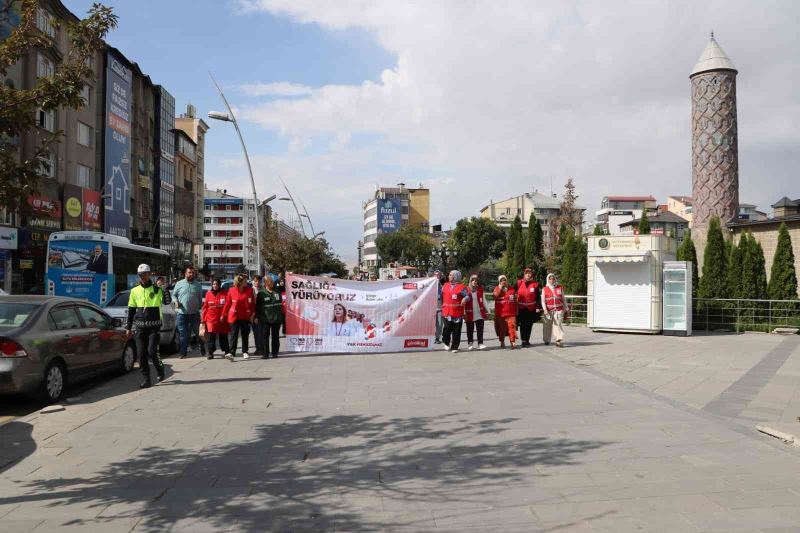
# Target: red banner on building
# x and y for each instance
(91, 210)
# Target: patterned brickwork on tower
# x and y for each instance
(715, 152)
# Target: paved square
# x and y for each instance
(501, 441)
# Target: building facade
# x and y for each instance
(681, 206)
(228, 233)
(186, 235)
(715, 149)
(196, 129)
(617, 210)
(387, 209)
(665, 223)
(165, 169)
(547, 209)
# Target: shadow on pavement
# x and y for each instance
(206, 381)
(317, 473)
(17, 443)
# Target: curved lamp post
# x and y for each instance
(230, 117)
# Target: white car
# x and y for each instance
(117, 307)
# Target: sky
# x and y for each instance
(476, 100)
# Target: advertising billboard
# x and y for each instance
(79, 269)
(91, 210)
(117, 147)
(45, 213)
(73, 207)
(389, 219)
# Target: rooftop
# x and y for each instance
(664, 217)
(630, 199)
(786, 202)
(712, 58)
(747, 223)
(683, 199)
(539, 200)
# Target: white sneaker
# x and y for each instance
(471, 347)
(229, 356)
(481, 347)
(454, 350)
(446, 347)
(245, 355)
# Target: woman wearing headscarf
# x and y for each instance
(240, 306)
(212, 316)
(554, 305)
(475, 312)
(505, 312)
(453, 294)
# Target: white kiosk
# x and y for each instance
(624, 281)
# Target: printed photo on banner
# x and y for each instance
(332, 315)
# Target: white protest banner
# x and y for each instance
(332, 315)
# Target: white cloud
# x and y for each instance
(490, 99)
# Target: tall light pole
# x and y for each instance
(230, 117)
(291, 199)
(309, 219)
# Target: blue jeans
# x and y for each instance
(188, 325)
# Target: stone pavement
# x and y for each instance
(480, 441)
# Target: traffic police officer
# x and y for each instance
(144, 317)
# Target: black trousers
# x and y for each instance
(452, 328)
(472, 326)
(240, 327)
(272, 332)
(525, 319)
(211, 344)
(147, 350)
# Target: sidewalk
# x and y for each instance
(529, 440)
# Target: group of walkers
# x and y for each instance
(221, 317)
(515, 307)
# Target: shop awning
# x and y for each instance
(621, 257)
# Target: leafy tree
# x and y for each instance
(573, 268)
(783, 277)
(408, 242)
(598, 230)
(687, 252)
(712, 284)
(19, 178)
(476, 240)
(296, 253)
(515, 251)
(644, 224)
(733, 283)
(534, 249)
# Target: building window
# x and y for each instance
(207, 220)
(47, 165)
(84, 135)
(6, 217)
(83, 176)
(206, 234)
(44, 67)
(86, 94)
(44, 21)
(46, 119)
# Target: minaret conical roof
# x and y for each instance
(712, 58)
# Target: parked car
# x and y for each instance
(117, 307)
(47, 342)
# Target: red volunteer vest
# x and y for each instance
(528, 294)
(554, 299)
(468, 305)
(452, 300)
(211, 314)
(505, 305)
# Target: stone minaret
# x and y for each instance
(715, 152)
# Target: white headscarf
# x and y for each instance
(501, 277)
(555, 280)
(456, 275)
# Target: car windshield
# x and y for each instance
(120, 300)
(13, 315)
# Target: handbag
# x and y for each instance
(202, 333)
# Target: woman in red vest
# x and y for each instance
(528, 301)
(240, 305)
(475, 311)
(212, 317)
(554, 305)
(453, 294)
(505, 312)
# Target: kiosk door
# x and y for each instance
(622, 295)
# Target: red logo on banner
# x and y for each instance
(412, 286)
(415, 343)
(91, 210)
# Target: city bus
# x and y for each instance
(95, 266)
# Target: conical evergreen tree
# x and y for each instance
(515, 251)
(534, 249)
(567, 273)
(598, 230)
(733, 282)
(644, 224)
(687, 252)
(783, 276)
(754, 273)
(760, 270)
(712, 284)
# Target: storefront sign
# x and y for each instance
(26, 264)
(73, 207)
(9, 238)
(91, 210)
(45, 213)
(117, 205)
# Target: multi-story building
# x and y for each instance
(750, 212)
(196, 129)
(186, 235)
(617, 210)
(143, 169)
(228, 232)
(662, 223)
(681, 206)
(165, 168)
(547, 209)
(387, 209)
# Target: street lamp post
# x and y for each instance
(230, 117)
(290, 198)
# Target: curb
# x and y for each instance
(788, 438)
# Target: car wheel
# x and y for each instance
(54, 382)
(172, 347)
(128, 358)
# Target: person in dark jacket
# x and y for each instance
(269, 316)
(145, 321)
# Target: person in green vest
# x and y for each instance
(144, 322)
(269, 316)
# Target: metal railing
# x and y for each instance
(718, 314)
(578, 313)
